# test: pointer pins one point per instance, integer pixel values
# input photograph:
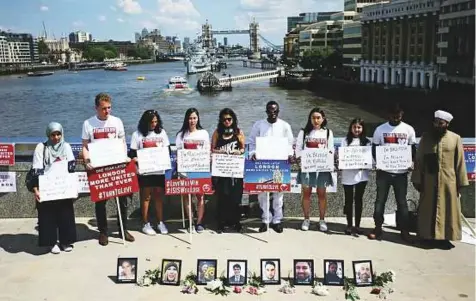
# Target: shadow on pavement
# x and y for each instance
(28, 243)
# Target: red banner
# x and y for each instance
(188, 186)
(254, 188)
(113, 181)
(7, 154)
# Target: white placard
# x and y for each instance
(83, 183)
(57, 183)
(394, 157)
(153, 159)
(317, 160)
(272, 148)
(228, 166)
(296, 188)
(106, 152)
(355, 157)
(193, 160)
(8, 181)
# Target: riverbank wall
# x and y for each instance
(21, 204)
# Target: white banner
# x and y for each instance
(106, 152)
(272, 148)
(394, 157)
(193, 160)
(228, 166)
(355, 157)
(83, 184)
(296, 188)
(8, 181)
(317, 160)
(153, 159)
(57, 183)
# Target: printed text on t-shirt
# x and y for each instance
(104, 133)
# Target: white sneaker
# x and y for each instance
(147, 229)
(67, 248)
(162, 228)
(305, 225)
(322, 226)
(56, 249)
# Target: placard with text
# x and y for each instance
(469, 158)
(113, 181)
(57, 183)
(8, 181)
(153, 159)
(7, 154)
(317, 160)
(267, 176)
(355, 157)
(393, 157)
(228, 166)
(193, 160)
(105, 152)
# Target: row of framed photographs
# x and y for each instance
(237, 271)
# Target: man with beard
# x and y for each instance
(439, 174)
(393, 132)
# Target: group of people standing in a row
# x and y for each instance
(438, 173)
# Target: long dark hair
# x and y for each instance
(362, 137)
(146, 119)
(185, 126)
(234, 125)
(309, 127)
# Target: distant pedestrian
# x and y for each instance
(439, 175)
(56, 221)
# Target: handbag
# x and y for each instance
(412, 218)
(31, 176)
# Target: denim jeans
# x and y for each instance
(400, 184)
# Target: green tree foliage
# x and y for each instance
(42, 47)
(326, 60)
(99, 53)
(140, 52)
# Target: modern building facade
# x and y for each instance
(308, 18)
(399, 43)
(456, 42)
(80, 37)
(18, 48)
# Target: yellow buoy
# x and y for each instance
(140, 77)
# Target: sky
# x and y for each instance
(120, 19)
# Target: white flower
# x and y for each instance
(320, 290)
(147, 281)
(214, 284)
(393, 275)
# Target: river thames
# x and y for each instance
(28, 104)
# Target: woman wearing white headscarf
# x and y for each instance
(54, 217)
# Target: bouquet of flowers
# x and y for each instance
(382, 282)
(287, 287)
(188, 285)
(319, 289)
(151, 277)
(255, 286)
(350, 290)
(219, 286)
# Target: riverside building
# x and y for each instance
(18, 49)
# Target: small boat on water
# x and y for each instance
(141, 78)
(117, 66)
(40, 73)
(177, 84)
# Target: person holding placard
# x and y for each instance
(271, 127)
(228, 139)
(104, 126)
(354, 179)
(314, 135)
(439, 175)
(56, 219)
(150, 133)
(393, 132)
(193, 136)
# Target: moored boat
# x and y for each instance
(40, 73)
(177, 83)
(118, 66)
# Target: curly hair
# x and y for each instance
(102, 97)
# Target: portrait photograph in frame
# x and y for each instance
(270, 271)
(126, 270)
(363, 272)
(303, 270)
(237, 271)
(333, 272)
(206, 271)
(171, 269)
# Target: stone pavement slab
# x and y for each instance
(88, 272)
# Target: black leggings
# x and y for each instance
(349, 199)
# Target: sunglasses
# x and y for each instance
(152, 112)
(227, 119)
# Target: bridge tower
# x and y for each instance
(207, 35)
(254, 45)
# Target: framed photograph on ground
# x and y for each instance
(127, 270)
(237, 271)
(171, 271)
(303, 271)
(333, 272)
(363, 273)
(206, 271)
(270, 271)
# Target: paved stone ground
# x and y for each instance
(88, 272)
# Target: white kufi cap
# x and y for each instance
(443, 115)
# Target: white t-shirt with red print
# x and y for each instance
(95, 129)
(402, 134)
(153, 139)
(199, 139)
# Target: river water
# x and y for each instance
(28, 104)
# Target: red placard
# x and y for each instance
(188, 186)
(254, 188)
(7, 154)
(113, 181)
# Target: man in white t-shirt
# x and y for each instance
(271, 127)
(395, 131)
(104, 126)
